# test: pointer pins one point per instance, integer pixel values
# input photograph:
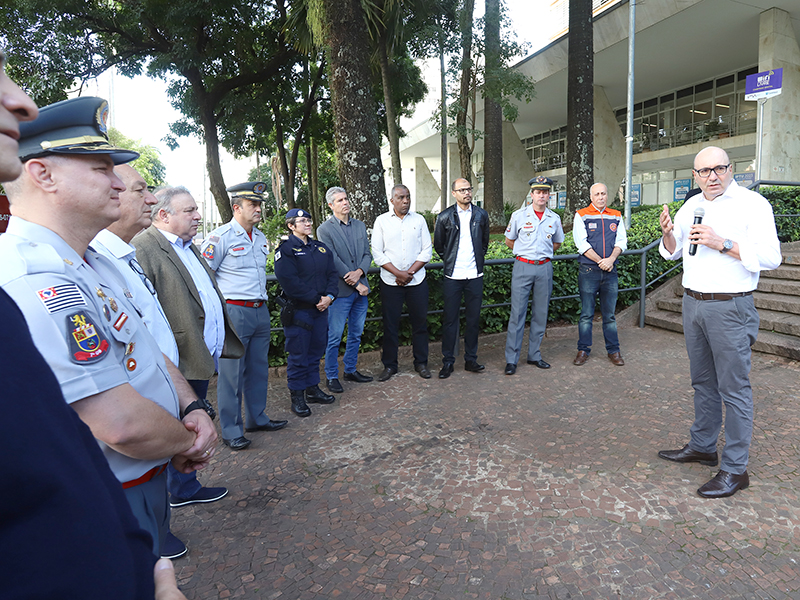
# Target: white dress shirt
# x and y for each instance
(145, 298)
(740, 215)
(465, 267)
(401, 242)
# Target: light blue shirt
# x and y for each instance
(84, 325)
(534, 239)
(239, 262)
(145, 297)
(214, 326)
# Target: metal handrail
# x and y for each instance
(642, 287)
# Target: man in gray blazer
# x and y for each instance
(191, 301)
(347, 238)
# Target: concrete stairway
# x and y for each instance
(777, 300)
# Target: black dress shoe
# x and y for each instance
(316, 395)
(270, 426)
(473, 367)
(539, 363)
(723, 485)
(446, 371)
(387, 373)
(423, 371)
(357, 377)
(335, 386)
(686, 454)
(511, 368)
(239, 443)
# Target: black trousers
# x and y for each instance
(472, 292)
(416, 299)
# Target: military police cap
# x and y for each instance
(252, 190)
(74, 126)
(297, 212)
(541, 183)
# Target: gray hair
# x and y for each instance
(164, 195)
(332, 192)
(398, 186)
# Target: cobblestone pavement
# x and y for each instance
(541, 485)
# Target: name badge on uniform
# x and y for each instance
(86, 344)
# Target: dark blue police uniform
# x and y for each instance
(307, 273)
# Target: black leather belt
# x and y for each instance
(702, 296)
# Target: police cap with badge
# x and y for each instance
(541, 183)
(251, 190)
(73, 127)
(297, 212)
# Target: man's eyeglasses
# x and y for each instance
(137, 268)
(303, 221)
(720, 170)
(464, 190)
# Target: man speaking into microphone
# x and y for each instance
(724, 248)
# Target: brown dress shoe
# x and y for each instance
(723, 485)
(616, 358)
(581, 359)
(686, 454)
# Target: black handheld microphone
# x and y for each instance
(699, 213)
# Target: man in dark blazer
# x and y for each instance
(347, 238)
(192, 303)
(461, 239)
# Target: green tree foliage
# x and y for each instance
(206, 50)
(149, 162)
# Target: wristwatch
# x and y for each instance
(200, 403)
(727, 246)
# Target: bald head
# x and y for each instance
(599, 195)
(707, 163)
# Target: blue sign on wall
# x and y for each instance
(745, 179)
(562, 199)
(681, 187)
(636, 194)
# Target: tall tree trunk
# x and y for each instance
(493, 119)
(464, 149)
(391, 115)
(288, 178)
(355, 122)
(444, 175)
(314, 179)
(580, 106)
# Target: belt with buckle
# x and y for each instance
(715, 296)
(532, 262)
(151, 474)
(247, 303)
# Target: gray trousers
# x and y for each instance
(245, 379)
(150, 507)
(524, 278)
(718, 336)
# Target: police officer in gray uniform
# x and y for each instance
(77, 306)
(534, 233)
(237, 253)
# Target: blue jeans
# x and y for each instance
(591, 281)
(352, 310)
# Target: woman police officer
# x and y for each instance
(304, 268)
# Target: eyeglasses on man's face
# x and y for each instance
(720, 170)
(464, 190)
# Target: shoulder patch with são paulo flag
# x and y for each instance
(60, 297)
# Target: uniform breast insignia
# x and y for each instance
(60, 297)
(106, 313)
(208, 253)
(127, 293)
(120, 321)
(323, 250)
(130, 364)
(113, 304)
(613, 227)
(68, 261)
(277, 254)
(129, 348)
(237, 249)
(86, 343)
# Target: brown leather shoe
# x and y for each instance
(581, 359)
(723, 485)
(616, 358)
(686, 454)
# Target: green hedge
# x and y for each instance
(497, 278)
